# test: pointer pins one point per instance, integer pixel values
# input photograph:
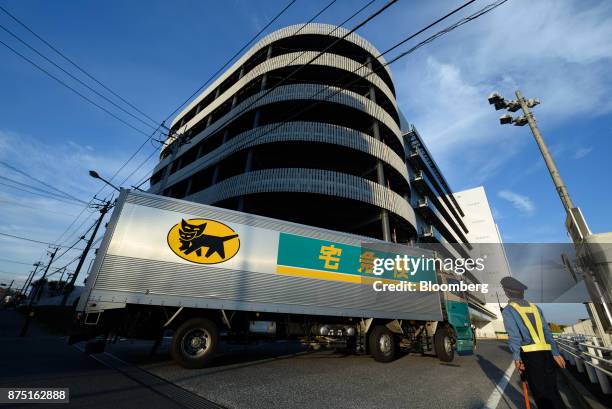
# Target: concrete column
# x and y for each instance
(248, 166)
(188, 188)
(264, 80)
(380, 170)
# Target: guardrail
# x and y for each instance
(588, 355)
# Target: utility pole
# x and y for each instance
(596, 269)
(26, 325)
(62, 275)
(30, 277)
(70, 286)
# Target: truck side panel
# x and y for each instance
(140, 267)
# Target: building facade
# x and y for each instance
(316, 141)
(486, 239)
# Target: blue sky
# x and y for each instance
(156, 53)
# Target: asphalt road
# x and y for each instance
(273, 375)
(43, 359)
(283, 375)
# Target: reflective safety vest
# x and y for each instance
(537, 333)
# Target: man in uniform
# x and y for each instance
(533, 348)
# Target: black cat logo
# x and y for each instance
(203, 241)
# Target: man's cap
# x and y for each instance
(512, 284)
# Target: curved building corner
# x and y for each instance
(315, 142)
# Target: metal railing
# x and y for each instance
(588, 355)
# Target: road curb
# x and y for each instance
(586, 398)
(158, 385)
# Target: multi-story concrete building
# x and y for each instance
(316, 141)
(324, 145)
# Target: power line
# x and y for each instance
(450, 28)
(70, 234)
(152, 154)
(291, 74)
(142, 145)
(82, 96)
(39, 181)
(132, 156)
(33, 190)
(304, 52)
(11, 273)
(75, 64)
(70, 262)
(38, 209)
(141, 182)
(162, 124)
(410, 37)
(78, 93)
(38, 189)
(428, 40)
(72, 89)
(76, 242)
(34, 241)
(6, 260)
(59, 199)
(75, 78)
(280, 13)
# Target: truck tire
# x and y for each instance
(383, 344)
(194, 343)
(443, 344)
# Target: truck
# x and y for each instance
(209, 275)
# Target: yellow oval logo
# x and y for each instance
(203, 241)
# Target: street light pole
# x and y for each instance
(96, 175)
(550, 163)
(595, 268)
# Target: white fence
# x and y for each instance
(588, 355)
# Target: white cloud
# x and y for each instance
(582, 152)
(558, 51)
(64, 165)
(520, 202)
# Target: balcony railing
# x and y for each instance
(417, 159)
(432, 215)
(423, 184)
(429, 234)
(415, 141)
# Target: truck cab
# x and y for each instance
(457, 314)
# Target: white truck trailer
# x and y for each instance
(208, 274)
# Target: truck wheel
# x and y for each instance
(194, 343)
(383, 345)
(443, 344)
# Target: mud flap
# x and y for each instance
(464, 347)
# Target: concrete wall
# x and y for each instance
(484, 235)
(582, 327)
